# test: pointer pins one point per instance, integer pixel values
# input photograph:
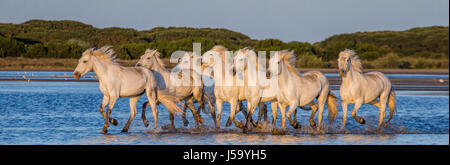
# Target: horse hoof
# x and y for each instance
(228, 123)
(276, 131)
(362, 121)
(240, 125)
(296, 125)
(113, 121)
(312, 124)
(258, 125)
(244, 129)
(146, 123)
(104, 131)
(185, 123)
(124, 130)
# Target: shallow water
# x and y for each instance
(67, 113)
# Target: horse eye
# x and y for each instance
(148, 58)
(84, 61)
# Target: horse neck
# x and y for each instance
(285, 76)
(351, 75)
(221, 73)
(100, 68)
(156, 67)
(251, 78)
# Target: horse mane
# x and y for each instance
(354, 60)
(245, 51)
(105, 53)
(222, 51)
(156, 55)
(288, 58)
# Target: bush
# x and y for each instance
(309, 60)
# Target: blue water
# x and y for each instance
(67, 113)
(55, 74)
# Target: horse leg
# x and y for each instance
(355, 110)
(172, 120)
(102, 107)
(133, 101)
(195, 113)
(155, 113)
(198, 95)
(219, 104)
(144, 119)
(183, 116)
(283, 116)
(262, 113)
(151, 96)
(274, 108)
(344, 113)
(292, 108)
(233, 104)
(112, 101)
(213, 112)
(251, 108)
(312, 123)
(321, 100)
(382, 113)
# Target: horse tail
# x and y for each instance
(332, 103)
(391, 105)
(170, 101)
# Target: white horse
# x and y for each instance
(257, 90)
(225, 89)
(117, 81)
(186, 89)
(191, 60)
(301, 90)
(358, 88)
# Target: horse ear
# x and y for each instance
(292, 52)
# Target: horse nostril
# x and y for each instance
(138, 64)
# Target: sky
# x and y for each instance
(296, 20)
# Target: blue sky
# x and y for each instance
(301, 20)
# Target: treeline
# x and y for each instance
(415, 48)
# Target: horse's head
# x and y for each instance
(275, 63)
(210, 58)
(348, 60)
(188, 60)
(241, 60)
(148, 59)
(85, 64)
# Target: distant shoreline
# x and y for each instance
(323, 70)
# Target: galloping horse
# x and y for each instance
(257, 89)
(186, 91)
(358, 88)
(225, 88)
(117, 81)
(301, 90)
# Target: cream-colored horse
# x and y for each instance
(185, 89)
(117, 81)
(191, 60)
(225, 89)
(301, 90)
(257, 89)
(358, 88)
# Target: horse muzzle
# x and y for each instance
(76, 75)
